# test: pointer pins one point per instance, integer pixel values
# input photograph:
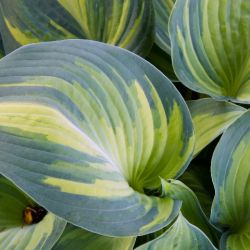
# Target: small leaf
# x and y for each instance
(230, 174)
(191, 208)
(210, 119)
(75, 238)
(14, 234)
(125, 23)
(181, 235)
(211, 47)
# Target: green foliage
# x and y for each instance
(162, 10)
(99, 149)
(211, 118)
(182, 235)
(211, 47)
(231, 175)
(126, 23)
(14, 233)
(80, 134)
(73, 237)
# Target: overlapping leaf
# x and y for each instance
(182, 235)
(231, 173)
(163, 10)
(211, 47)
(191, 208)
(126, 23)
(211, 118)
(86, 127)
(14, 234)
(76, 238)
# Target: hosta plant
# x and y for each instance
(99, 150)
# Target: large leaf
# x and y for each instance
(75, 238)
(231, 173)
(163, 10)
(14, 233)
(182, 235)
(210, 119)
(211, 47)
(86, 127)
(191, 208)
(126, 23)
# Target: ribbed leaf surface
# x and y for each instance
(231, 173)
(126, 23)
(211, 47)
(163, 10)
(86, 127)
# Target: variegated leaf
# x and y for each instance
(211, 118)
(231, 174)
(75, 238)
(163, 10)
(211, 47)
(125, 23)
(191, 208)
(14, 233)
(181, 235)
(86, 127)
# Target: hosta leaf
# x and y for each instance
(211, 118)
(182, 235)
(163, 10)
(14, 234)
(75, 238)
(191, 208)
(86, 127)
(126, 23)
(211, 47)
(231, 173)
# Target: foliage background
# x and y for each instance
(120, 157)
